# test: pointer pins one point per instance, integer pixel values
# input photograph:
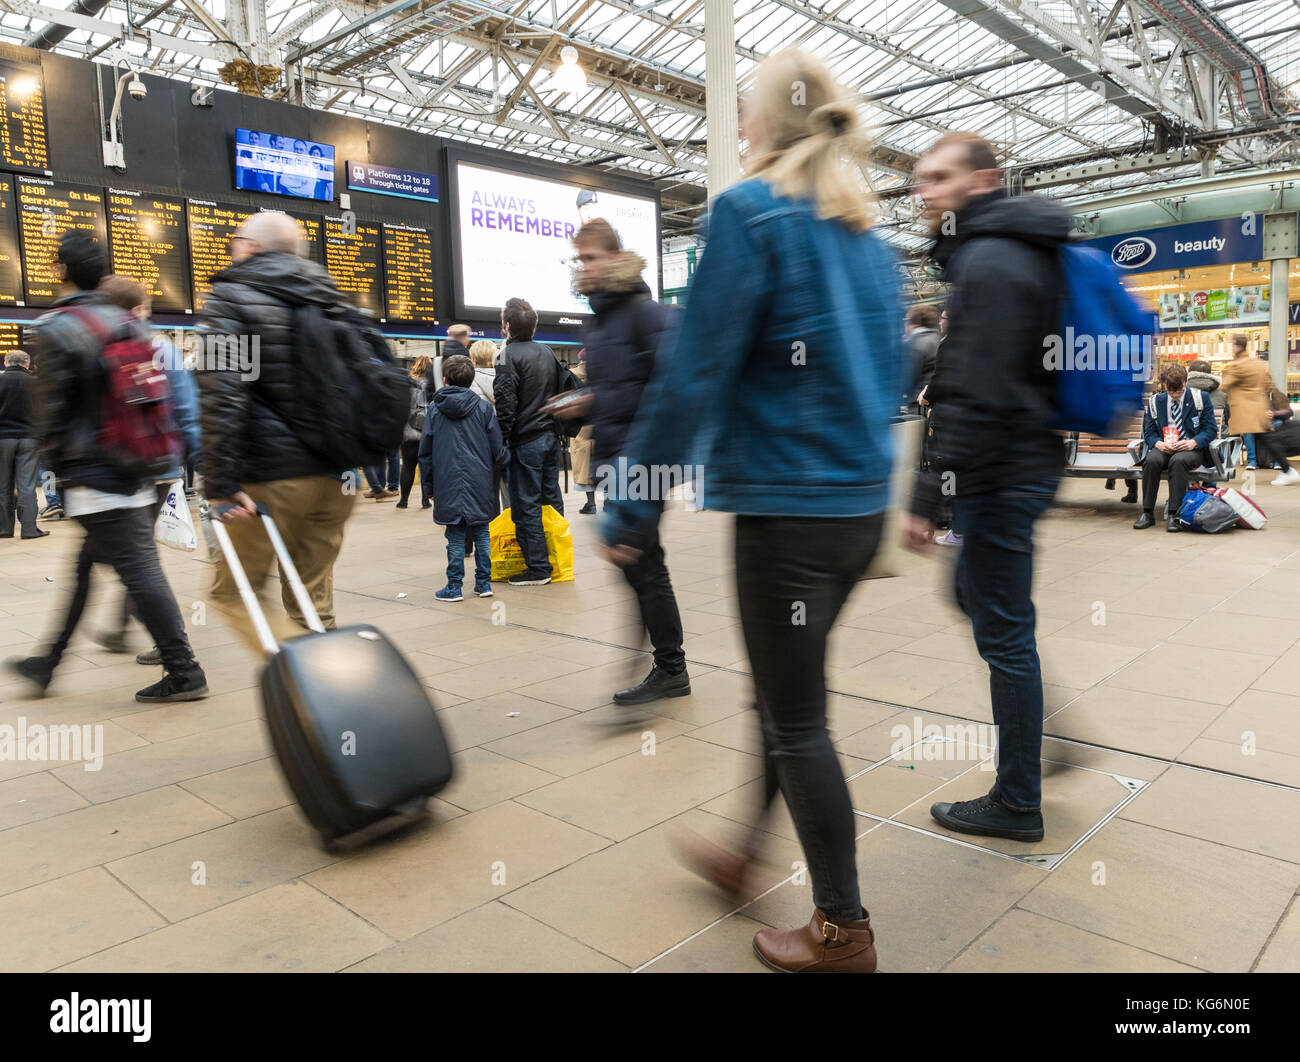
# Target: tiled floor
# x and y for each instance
(1171, 772)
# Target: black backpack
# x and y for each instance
(356, 397)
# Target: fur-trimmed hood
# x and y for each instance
(622, 279)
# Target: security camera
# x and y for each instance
(136, 88)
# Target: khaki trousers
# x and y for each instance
(310, 512)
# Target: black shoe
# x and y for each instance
(426, 505)
(39, 534)
(1172, 525)
(149, 658)
(1144, 521)
(1110, 484)
(400, 505)
(192, 686)
(529, 578)
(659, 683)
(588, 510)
(53, 511)
(1132, 495)
(989, 817)
(35, 669)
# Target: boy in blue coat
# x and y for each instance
(461, 452)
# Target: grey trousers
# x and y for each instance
(18, 472)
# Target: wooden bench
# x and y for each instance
(1121, 457)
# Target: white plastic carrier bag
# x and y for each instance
(174, 526)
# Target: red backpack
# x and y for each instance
(136, 430)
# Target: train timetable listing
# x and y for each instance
(408, 273)
(47, 209)
(22, 117)
(353, 262)
(11, 271)
(210, 227)
(146, 235)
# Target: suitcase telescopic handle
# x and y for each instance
(287, 569)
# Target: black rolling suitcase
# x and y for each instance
(353, 727)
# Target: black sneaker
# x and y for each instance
(53, 511)
(989, 817)
(192, 686)
(588, 510)
(149, 658)
(530, 579)
(35, 669)
(400, 505)
(659, 683)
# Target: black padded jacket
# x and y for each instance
(246, 395)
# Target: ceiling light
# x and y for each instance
(568, 76)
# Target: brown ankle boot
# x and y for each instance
(819, 947)
(724, 870)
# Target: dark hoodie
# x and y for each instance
(460, 453)
(247, 417)
(994, 400)
(621, 340)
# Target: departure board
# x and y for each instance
(22, 117)
(310, 226)
(408, 273)
(11, 270)
(353, 262)
(47, 209)
(147, 242)
(210, 227)
(11, 337)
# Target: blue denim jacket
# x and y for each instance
(782, 375)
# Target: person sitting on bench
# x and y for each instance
(1178, 427)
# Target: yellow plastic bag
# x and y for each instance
(508, 558)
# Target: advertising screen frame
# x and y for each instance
(278, 191)
(543, 170)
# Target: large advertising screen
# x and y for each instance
(283, 165)
(516, 234)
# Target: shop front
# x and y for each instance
(1208, 281)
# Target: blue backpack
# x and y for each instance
(1104, 353)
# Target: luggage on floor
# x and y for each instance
(1202, 511)
(1249, 514)
(352, 725)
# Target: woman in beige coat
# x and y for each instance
(580, 450)
(1248, 385)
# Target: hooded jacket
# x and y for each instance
(994, 399)
(246, 421)
(460, 453)
(621, 340)
(1210, 384)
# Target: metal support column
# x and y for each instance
(1279, 246)
(720, 96)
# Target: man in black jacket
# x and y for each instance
(622, 340)
(528, 377)
(115, 507)
(256, 445)
(995, 451)
(17, 446)
(921, 334)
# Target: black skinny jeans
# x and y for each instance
(649, 578)
(123, 539)
(793, 575)
(410, 451)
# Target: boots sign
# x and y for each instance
(1199, 243)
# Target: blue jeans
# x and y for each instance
(1249, 441)
(386, 474)
(534, 482)
(995, 572)
(457, 536)
(47, 482)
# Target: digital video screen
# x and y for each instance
(283, 165)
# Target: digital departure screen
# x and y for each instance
(46, 210)
(147, 242)
(408, 274)
(210, 227)
(11, 271)
(11, 337)
(310, 226)
(22, 116)
(353, 262)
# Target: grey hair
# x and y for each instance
(18, 357)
